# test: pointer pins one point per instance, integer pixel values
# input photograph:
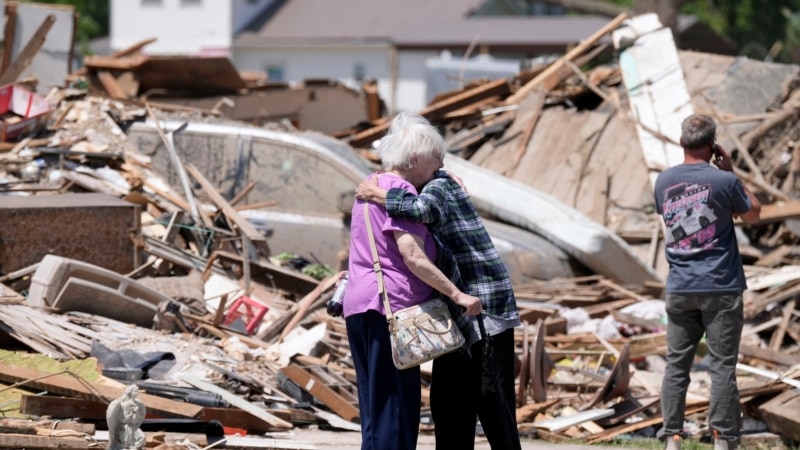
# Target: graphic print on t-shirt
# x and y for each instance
(688, 218)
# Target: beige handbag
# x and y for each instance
(418, 333)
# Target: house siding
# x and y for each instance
(190, 27)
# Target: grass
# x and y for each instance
(655, 444)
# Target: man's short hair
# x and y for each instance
(698, 131)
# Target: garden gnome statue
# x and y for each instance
(124, 416)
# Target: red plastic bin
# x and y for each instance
(247, 312)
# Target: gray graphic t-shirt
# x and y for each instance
(697, 203)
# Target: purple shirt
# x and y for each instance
(403, 287)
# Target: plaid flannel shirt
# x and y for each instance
(466, 253)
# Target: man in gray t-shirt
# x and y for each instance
(699, 203)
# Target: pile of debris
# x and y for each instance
(133, 249)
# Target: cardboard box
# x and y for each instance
(22, 112)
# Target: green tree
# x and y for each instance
(761, 29)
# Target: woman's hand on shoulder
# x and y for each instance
(470, 303)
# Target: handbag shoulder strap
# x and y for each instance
(376, 265)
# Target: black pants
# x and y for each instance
(388, 399)
(462, 390)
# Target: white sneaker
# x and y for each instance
(723, 444)
(674, 442)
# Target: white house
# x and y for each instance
(391, 40)
(351, 40)
(193, 27)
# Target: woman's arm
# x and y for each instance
(418, 263)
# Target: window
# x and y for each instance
(359, 72)
(275, 72)
(151, 3)
(191, 2)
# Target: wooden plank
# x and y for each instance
(763, 354)
(238, 418)
(776, 340)
(245, 227)
(270, 419)
(572, 54)
(307, 302)
(322, 392)
(25, 57)
(113, 89)
(71, 386)
(62, 407)
(780, 414)
(27, 426)
(778, 212)
(132, 49)
(775, 256)
(438, 110)
(8, 34)
(562, 423)
(24, 441)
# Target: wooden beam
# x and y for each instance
(572, 54)
(763, 354)
(777, 336)
(113, 89)
(9, 34)
(10, 441)
(65, 384)
(132, 49)
(321, 391)
(245, 227)
(25, 57)
(270, 419)
(778, 212)
(438, 110)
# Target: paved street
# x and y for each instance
(350, 440)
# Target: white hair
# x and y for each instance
(408, 134)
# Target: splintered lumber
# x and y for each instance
(560, 63)
(611, 433)
(306, 303)
(62, 407)
(775, 295)
(71, 386)
(787, 112)
(770, 356)
(276, 422)
(110, 84)
(245, 227)
(437, 110)
(778, 212)
(564, 422)
(780, 414)
(334, 394)
(25, 426)
(9, 441)
(242, 419)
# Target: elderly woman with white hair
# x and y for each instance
(389, 399)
